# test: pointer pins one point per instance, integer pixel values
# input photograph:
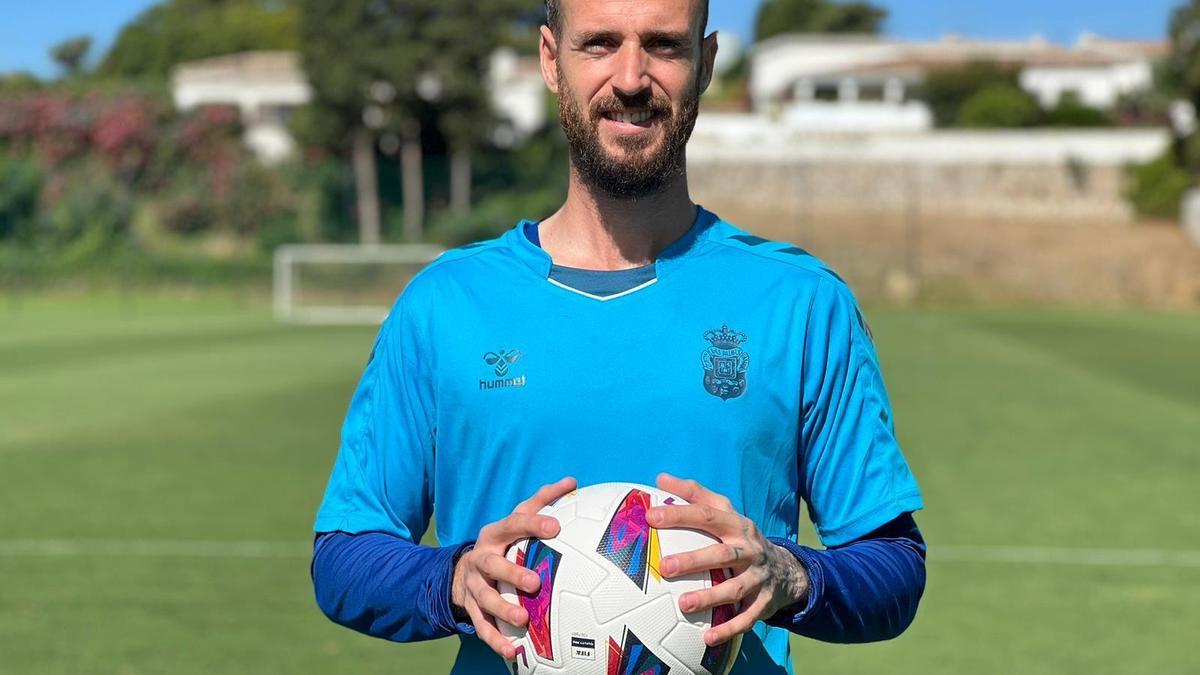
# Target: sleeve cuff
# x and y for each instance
(795, 616)
(441, 584)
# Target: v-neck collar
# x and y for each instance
(538, 260)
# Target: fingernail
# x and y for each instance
(654, 517)
(709, 637)
(686, 604)
(514, 617)
(669, 566)
(547, 529)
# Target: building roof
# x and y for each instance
(889, 57)
(262, 65)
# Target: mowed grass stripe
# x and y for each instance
(73, 352)
(245, 467)
(107, 394)
(1017, 445)
(1151, 352)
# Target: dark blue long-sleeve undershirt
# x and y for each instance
(864, 591)
(389, 587)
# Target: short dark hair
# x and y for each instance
(555, 21)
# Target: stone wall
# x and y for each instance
(1071, 191)
(1007, 217)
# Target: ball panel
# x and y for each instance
(653, 622)
(563, 511)
(583, 641)
(685, 643)
(581, 534)
(628, 541)
(631, 656)
(545, 561)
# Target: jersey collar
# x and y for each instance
(536, 258)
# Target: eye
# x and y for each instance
(598, 45)
(666, 46)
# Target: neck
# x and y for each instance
(596, 231)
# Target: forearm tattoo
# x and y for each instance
(788, 576)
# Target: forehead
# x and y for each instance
(667, 15)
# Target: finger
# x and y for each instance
(693, 492)
(545, 495)
(485, 629)
(701, 517)
(494, 605)
(741, 623)
(727, 593)
(518, 526)
(713, 557)
(498, 568)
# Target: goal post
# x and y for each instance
(344, 283)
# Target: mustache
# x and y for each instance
(614, 105)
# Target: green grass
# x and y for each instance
(200, 419)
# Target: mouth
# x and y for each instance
(631, 121)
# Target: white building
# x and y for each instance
(266, 86)
(518, 95)
(865, 82)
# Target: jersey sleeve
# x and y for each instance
(855, 477)
(382, 478)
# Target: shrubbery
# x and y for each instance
(78, 169)
(1156, 189)
(999, 105)
(1073, 114)
(20, 185)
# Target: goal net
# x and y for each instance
(344, 283)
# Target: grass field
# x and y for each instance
(1059, 454)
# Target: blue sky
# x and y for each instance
(28, 28)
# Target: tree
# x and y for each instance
(363, 59)
(1183, 64)
(175, 31)
(776, 17)
(69, 54)
(18, 82)
(465, 34)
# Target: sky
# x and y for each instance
(29, 28)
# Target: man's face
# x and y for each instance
(628, 74)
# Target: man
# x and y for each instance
(630, 333)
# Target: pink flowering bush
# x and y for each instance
(88, 160)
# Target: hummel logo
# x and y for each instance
(502, 362)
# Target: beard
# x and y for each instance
(643, 168)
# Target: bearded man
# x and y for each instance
(630, 336)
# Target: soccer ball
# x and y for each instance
(603, 607)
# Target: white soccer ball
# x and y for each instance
(603, 607)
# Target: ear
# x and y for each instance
(548, 55)
(708, 59)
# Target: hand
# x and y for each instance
(478, 570)
(766, 577)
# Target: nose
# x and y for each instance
(631, 77)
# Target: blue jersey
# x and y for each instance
(742, 363)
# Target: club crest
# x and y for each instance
(725, 363)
